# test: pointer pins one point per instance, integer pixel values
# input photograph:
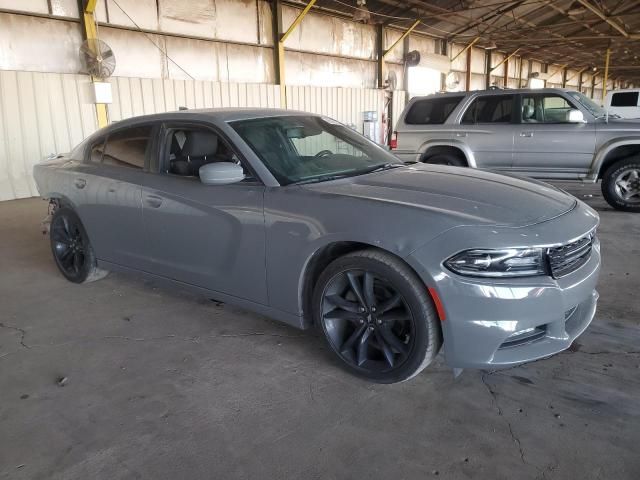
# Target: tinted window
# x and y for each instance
(490, 109)
(307, 148)
(624, 99)
(95, 155)
(431, 111)
(545, 109)
(127, 148)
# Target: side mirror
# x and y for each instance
(575, 116)
(221, 173)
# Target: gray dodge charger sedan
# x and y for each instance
(300, 218)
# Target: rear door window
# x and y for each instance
(431, 111)
(127, 148)
(624, 99)
(490, 109)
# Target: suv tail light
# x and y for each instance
(393, 143)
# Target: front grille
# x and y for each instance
(568, 258)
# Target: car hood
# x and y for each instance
(473, 197)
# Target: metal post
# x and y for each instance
(468, 47)
(487, 82)
(564, 78)
(402, 37)
(606, 74)
(90, 32)
(467, 78)
(520, 73)
(380, 54)
(280, 48)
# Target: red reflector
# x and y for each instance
(393, 143)
(439, 307)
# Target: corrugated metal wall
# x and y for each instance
(40, 114)
(45, 113)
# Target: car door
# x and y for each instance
(109, 185)
(487, 128)
(211, 236)
(547, 144)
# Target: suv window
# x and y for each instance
(127, 148)
(541, 108)
(431, 111)
(490, 109)
(624, 99)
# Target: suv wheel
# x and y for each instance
(446, 160)
(376, 316)
(621, 185)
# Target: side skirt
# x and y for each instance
(274, 313)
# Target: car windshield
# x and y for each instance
(307, 149)
(595, 109)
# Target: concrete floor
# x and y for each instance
(165, 385)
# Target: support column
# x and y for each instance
(380, 54)
(90, 32)
(606, 74)
(520, 73)
(487, 80)
(467, 77)
(279, 39)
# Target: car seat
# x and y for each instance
(200, 147)
(528, 114)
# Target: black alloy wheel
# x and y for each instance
(377, 316)
(367, 320)
(71, 248)
(68, 246)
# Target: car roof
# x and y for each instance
(222, 114)
(495, 91)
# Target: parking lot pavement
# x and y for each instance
(123, 379)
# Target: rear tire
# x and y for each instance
(445, 159)
(376, 316)
(71, 248)
(621, 185)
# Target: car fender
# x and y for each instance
(604, 150)
(471, 160)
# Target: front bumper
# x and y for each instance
(505, 322)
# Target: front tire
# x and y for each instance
(71, 248)
(621, 185)
(376, 316)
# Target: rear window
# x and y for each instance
(127, 148)
(431, 111)
(490, 109)
(624, 99)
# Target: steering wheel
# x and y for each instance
(323, 153)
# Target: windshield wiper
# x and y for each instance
(355, 173)
(378, 168)
(322, 178)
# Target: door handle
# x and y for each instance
(80, 183)
(153, 201)
(526, 134)
(461, 134)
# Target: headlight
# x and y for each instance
(509, 262)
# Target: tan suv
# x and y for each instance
(543, 133)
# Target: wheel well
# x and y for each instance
(444, 150)
(618, 153)
(320, 260)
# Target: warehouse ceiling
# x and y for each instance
(572, 32)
